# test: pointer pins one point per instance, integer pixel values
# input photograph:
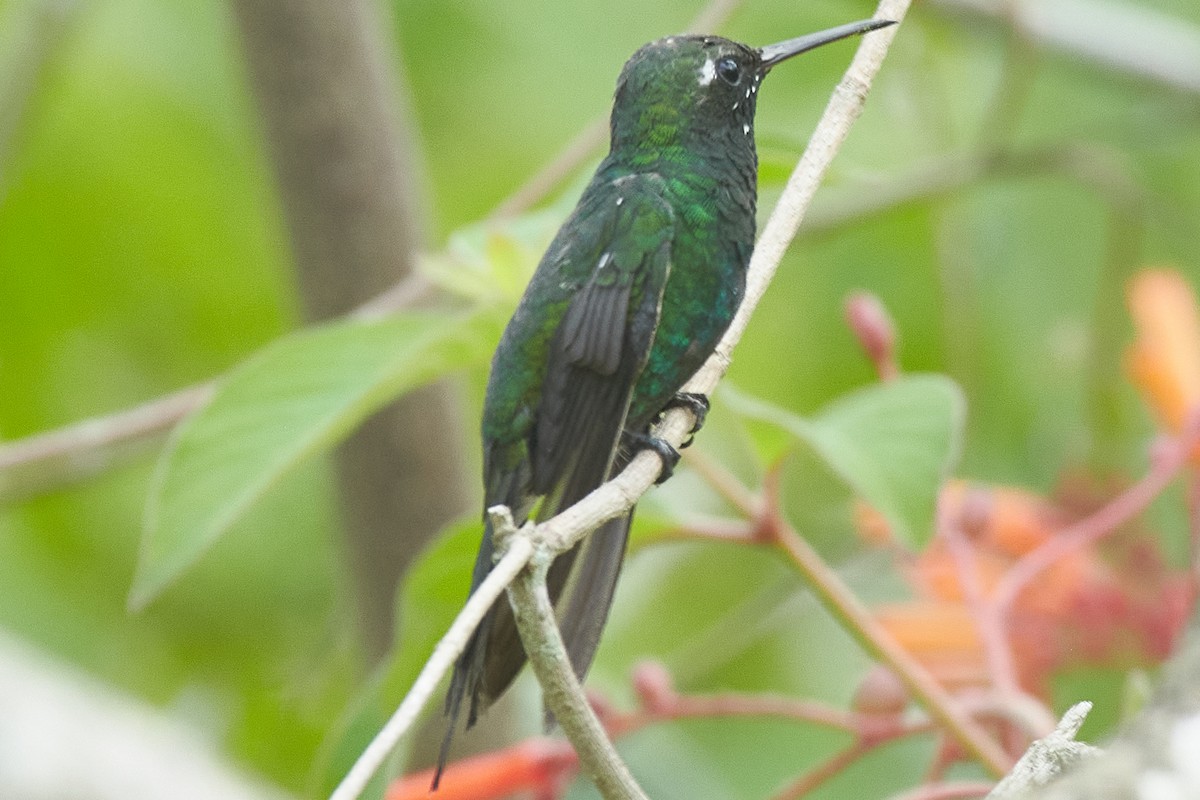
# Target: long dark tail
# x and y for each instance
(494, 655)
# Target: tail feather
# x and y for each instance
(584, 609)
(580, 582)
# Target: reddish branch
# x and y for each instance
(1170, 460)
(545, 766)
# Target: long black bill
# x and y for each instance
(772, 54)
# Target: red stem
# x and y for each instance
(1120, 510)
(738, 705)
(997, 650)
(824, 771)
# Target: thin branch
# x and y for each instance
(83, 449)
(1001, 667)
(518, 553)
(833, 765)
(724, 482)
(1120, 510)
(563, 694)
(857, 619)
(1049, 757)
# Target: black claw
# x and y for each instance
(668, 454)
(696, 403)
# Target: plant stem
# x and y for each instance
(560, 687)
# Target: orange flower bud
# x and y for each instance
(942, 636)
(1006, 519)
(1164, 361)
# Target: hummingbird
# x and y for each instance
(629, 300)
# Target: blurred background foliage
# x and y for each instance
(996, 194)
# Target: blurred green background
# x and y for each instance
(143, 248)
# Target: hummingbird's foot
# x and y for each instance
(668, 454)
(696, 403)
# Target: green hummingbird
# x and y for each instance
(629, 300)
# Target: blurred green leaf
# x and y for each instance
(892, 443)
(494, 259)
(291, 401)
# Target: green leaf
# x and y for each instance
(493, 260)
(892, 443)
(291, 401)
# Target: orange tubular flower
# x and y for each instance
(1125, 606)
(1164, 361)
(537, 765)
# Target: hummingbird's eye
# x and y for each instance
(729, 70)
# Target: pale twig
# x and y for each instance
(85, 448)
(514, 559)
(1049, 757)
(563, 694)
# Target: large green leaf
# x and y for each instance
(892, 443)
(291, 401)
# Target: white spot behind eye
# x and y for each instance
(746, 129)
(708, 72)
(620, 200)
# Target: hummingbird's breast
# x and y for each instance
(715, 222)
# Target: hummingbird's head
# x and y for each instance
(676, 88)
(684, 91)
